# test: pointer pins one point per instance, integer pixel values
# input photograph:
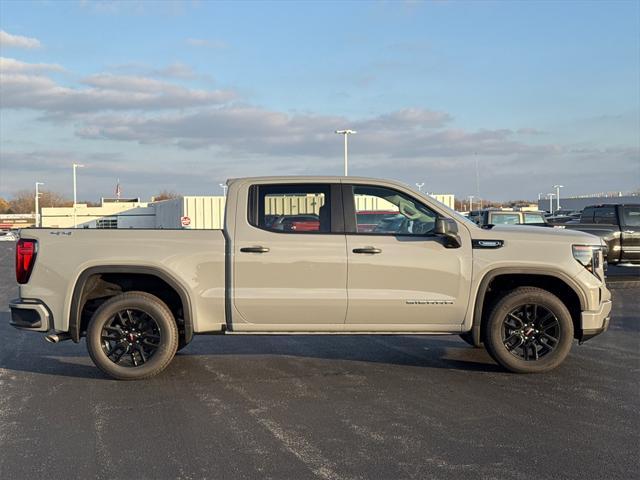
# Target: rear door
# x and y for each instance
(401, 275)
(290, 265)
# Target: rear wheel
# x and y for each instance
(132, 336)
(529, 331)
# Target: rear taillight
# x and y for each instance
(26, 251)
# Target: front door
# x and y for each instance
(401, 276)
(290, 268)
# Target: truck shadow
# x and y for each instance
(70, 360)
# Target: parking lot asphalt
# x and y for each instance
(328, 407)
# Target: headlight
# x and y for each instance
(590, 256)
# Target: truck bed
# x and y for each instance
(193, 259)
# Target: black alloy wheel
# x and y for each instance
(530, 332)
(131, 337)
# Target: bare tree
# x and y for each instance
(165, 195)
(24, 201)
(4, 206)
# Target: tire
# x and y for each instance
(468, 338)
(529, 330)
(138, 330)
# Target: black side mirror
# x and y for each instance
(448, 228)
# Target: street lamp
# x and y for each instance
(470, 202)
(558, 187)
(550, 197)
(224, 188)
(75, 196)
(38, 204)
(346, 134)
(420, 185)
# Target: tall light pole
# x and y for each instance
(38, 204)
(346, 134)
(550, 197)
(75, 195)
(224, 188)
(420, 185)
(470, 202)
(558, 187)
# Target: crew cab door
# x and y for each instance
(289, 267)
(401, 276)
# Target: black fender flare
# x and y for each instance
(78, 297)
(476, 328)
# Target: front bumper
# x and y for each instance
(30, 315)
(595, 322)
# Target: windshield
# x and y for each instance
(505, 218)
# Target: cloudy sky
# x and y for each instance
(182, 95)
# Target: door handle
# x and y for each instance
(369, 250)
(254, 249)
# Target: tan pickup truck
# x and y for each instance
(328, 255)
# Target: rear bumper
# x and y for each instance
(30, 315)
(595, 322)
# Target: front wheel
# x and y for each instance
(529, 331)
(132, 336)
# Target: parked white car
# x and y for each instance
(8, 236)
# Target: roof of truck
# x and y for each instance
(313, 178)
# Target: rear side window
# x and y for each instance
(605, 215)
(304, 208)
(505, 218)
(533, 218)
(631, 216)
(587, 215)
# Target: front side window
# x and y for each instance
(533, 218)
(385, 211)
(505, 218)
(301, 208)
(605, 215)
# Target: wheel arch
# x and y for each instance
(86, 283)
(565, 288)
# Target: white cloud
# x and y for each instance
(22, 89)
(18, 41)
(11, 65)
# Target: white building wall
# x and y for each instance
(127, 215)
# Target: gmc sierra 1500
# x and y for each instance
(420, 268)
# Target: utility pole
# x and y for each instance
(478, 179)
(470, 202)
(550, 196)
(38, 204)
(420, 185)
(558, 187)
(224, 188)
(346, 134)
(75, 195)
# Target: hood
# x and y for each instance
(538, 234)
